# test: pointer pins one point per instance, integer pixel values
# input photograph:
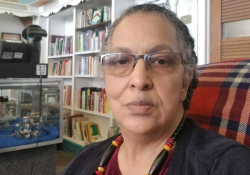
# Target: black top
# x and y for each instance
(197, 152)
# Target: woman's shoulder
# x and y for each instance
(215, 152)
(88, 158)
(210, 143)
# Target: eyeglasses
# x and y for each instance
(121, 64)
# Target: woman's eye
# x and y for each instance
(161, 62)
(121, 61)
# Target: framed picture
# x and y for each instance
(11, 36)
(93, 131)
(52, 98)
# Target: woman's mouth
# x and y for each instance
(139, 107)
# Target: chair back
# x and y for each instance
(221, 101)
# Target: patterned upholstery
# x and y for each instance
(221, 101)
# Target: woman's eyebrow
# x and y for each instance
(160, 48)
(122, 50)
(155, 49)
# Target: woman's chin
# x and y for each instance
(139, 128)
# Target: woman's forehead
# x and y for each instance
(144, 31)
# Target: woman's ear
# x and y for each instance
(186, 82)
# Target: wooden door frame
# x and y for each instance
(216, 33)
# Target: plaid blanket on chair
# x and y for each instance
(221, 101)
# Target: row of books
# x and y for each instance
(67, 95)
(88, 65)
(81, 128)
(93, 16)
(93, 99)
(61, 45)
(90, 40)
(61, 68)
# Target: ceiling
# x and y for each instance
(36, 3)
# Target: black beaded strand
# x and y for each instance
(158, 162)
(163, 155)
(108, 154)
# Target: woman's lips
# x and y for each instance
(139, 107)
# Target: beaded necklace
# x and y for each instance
(158, 162)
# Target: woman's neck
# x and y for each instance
(138, 152)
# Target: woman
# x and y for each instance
(149, 72)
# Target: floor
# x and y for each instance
(63, 159)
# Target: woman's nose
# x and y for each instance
(140, 77)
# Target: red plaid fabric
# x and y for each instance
(221, 101)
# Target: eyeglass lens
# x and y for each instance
(123, 64)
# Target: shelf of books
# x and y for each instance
(81, 130)
(92, 100)
(87, 66)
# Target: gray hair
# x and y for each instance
(186, 42)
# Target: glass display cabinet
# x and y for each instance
(30, 113)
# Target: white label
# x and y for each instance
(18, 55)
(12, 41)
(42, 70)
(7, 55)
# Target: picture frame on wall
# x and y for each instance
(11, 36)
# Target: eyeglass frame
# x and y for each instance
(136, 57)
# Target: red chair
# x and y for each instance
(221, 101)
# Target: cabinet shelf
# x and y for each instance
(60, 56)
(52, 76)
(98, 25)
(80, 143)
(92, 112)
(85, 76)
(67, 107)
(87, 52)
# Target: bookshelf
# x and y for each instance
(52, 76)
(94, 26)
(93, 112)
(84, 76)
(60, 56)
(66, 23)
(87, 52)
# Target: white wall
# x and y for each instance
(43, 22)
(189, 7)
(10, 24)
(199, 26)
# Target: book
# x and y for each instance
(77, 129)
(93, 99)
(67, 95)
(89, 15)
(106, 13)
(70, 129)
(97, 16)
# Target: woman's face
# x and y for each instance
(143, 102)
